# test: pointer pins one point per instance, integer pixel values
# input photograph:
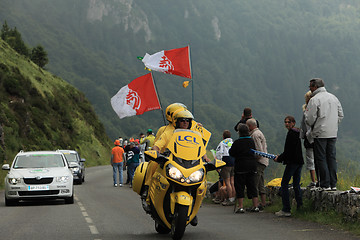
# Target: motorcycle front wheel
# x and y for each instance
(178, 224)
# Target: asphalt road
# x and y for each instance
(102, 211)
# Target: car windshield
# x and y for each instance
(71, 157)
(39, 161)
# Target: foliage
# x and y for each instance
(13, 37)
(39, 56)
(244, 53)
(39, 111)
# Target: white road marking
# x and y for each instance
(88, 220)
(93, 229)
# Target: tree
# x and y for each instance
(4, 31)
(39, 56)
(14, 39)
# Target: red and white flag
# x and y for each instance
(175, 61)
(137, 97)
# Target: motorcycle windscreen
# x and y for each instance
(205, 134)
(186, 144)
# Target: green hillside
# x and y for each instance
(259, 54)
(40, 111)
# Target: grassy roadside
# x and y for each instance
(306, 213)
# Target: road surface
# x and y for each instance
(104, 212)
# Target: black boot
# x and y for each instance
(194, 222)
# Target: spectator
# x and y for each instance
(133, 160)
(126, 150)
(117, 154)
(262, 162)
(227, 172)
(142, 147)
(121, 141)
(148, 140)
(323, 114)
(245, 169)
(247, 114)
(305, 133)
(293, 159)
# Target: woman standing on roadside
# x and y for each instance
(293, 159)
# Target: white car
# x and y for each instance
(38, 175)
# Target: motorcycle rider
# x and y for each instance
(167, 128)
(169, 116)
(160, 144)
(182, 119)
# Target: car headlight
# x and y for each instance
(75, 169)
(174, 173)
(63, 179)
(196, 176)
(14, 181)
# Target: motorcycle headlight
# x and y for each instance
(63, 179)
(196, 176)
(14, 181)
(174, 173)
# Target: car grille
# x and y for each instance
(38, 193)
(38, 181)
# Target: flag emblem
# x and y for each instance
(166, 64)
(133, 100)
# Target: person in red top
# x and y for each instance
(117, 156)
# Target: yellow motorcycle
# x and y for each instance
(179, 184)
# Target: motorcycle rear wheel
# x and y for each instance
(161, 229)
(178, 224)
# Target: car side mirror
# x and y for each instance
(5, 167)
(83, 160)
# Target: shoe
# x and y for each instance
(228, 203)
(239, 210)
(120, 185)
(253, 209)
(281, 213)
(115, 185)
(130, 186)
(216, 201)
(327, 189)
(261, 207)
(311, 185)
(194, 222)
(333, 189)
(145, 206)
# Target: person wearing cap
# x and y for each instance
(148, 140)
(323, 114)
(117, 158)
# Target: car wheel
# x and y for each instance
(9, 202)
(79, 181)
(69, 200)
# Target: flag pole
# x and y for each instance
(156, 90)
(192, 85)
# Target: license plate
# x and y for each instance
(40, 187)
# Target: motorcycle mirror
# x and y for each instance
(214, 164)
(155, 156)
